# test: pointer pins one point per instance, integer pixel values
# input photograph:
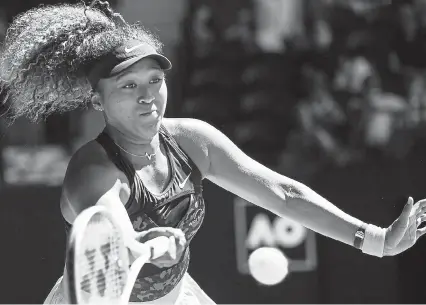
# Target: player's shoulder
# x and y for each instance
(194, 137)
(90, 174)
(91, 157)
(190, 128)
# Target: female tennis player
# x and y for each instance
(58, 58)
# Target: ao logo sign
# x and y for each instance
(256, 227)
(281, 232)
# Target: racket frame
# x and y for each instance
(155, 248)
(75, 237)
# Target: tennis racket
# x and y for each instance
(98, 262)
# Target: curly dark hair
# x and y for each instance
(47, 51)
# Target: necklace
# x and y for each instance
(146, 155)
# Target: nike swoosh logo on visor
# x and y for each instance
(181, 185)
(132, 48)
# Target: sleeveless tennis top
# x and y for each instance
(180, 205)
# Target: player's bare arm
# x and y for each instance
(226, 165)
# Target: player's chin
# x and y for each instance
(149, 129)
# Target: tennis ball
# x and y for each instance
(268, 265)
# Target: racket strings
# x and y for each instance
(101, 265)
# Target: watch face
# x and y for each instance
(360, 234)
(359, 238)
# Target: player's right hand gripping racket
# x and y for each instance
(98, 259)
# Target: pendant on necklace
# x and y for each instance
(149, 156)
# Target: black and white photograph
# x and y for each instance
(201, 152)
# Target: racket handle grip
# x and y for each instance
(160, 245)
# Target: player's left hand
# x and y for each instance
(177, 244)
(405, 231)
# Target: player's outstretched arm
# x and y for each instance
(222, 162)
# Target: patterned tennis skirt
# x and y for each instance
(187, 292)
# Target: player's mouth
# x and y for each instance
(149, 113)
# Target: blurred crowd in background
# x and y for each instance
(300, 85)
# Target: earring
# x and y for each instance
(98, 108)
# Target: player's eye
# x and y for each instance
(156, 80)
(130, 86)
